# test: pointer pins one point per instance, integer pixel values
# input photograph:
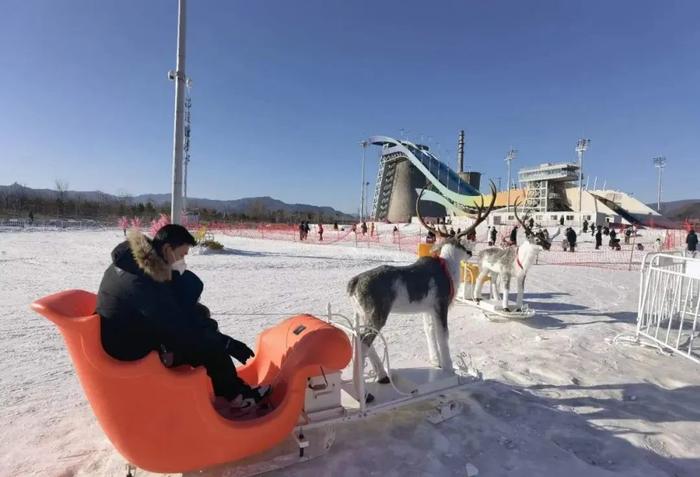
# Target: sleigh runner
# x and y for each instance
(489, 306)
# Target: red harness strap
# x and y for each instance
(517, 258)
(443, 264)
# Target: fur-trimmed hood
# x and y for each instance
(146, 257)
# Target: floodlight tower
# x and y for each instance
(659, 163)
(510, 157)
(581, 147)
(178, 141)
(364, 145)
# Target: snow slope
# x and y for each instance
(558, 397)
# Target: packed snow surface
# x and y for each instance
(558, 396)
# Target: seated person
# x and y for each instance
(145, 305)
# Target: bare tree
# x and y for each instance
(62, 194)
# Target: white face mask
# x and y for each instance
(180, 266)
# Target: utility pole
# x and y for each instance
(178, 141)
(659, 163)
(510, 157)
(365, 197)
(581, 147)
(362, 189)
(460, 152)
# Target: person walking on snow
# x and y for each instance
(320, 232)
(571, 238)
(657, 245)
(599, 238)
(691, 241)
(514, 236)
(147, 301)
(492, 236)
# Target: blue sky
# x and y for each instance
(283, 92)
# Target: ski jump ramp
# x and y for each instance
(403, 170)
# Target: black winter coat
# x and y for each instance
(142, 309)
(514, 235)
(571, 236)
(692, 241)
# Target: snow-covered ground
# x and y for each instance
(558, 396)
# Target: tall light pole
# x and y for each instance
(179, 138)
(581, 147)
(659, 163)
(367, 212)
(362, 189)
(510, 157)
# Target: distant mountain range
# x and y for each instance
(235, 206)
(680, 209)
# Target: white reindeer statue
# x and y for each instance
(511, 262)
(426, 286)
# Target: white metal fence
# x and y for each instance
(669, 302)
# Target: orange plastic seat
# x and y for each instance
(163, 420)
(469, 272)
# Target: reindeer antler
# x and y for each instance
(437, 232)
(528, 230)
(480, 215)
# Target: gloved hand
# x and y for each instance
(239, 350)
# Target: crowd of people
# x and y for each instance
(569, 241)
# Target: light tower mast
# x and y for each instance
(178, 140)
(581, 147)
(510, 157)
(659, 163)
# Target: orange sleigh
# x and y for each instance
(163, 420)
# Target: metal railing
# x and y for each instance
(669, 303)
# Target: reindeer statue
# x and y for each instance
(511, 262)
(426, 286)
